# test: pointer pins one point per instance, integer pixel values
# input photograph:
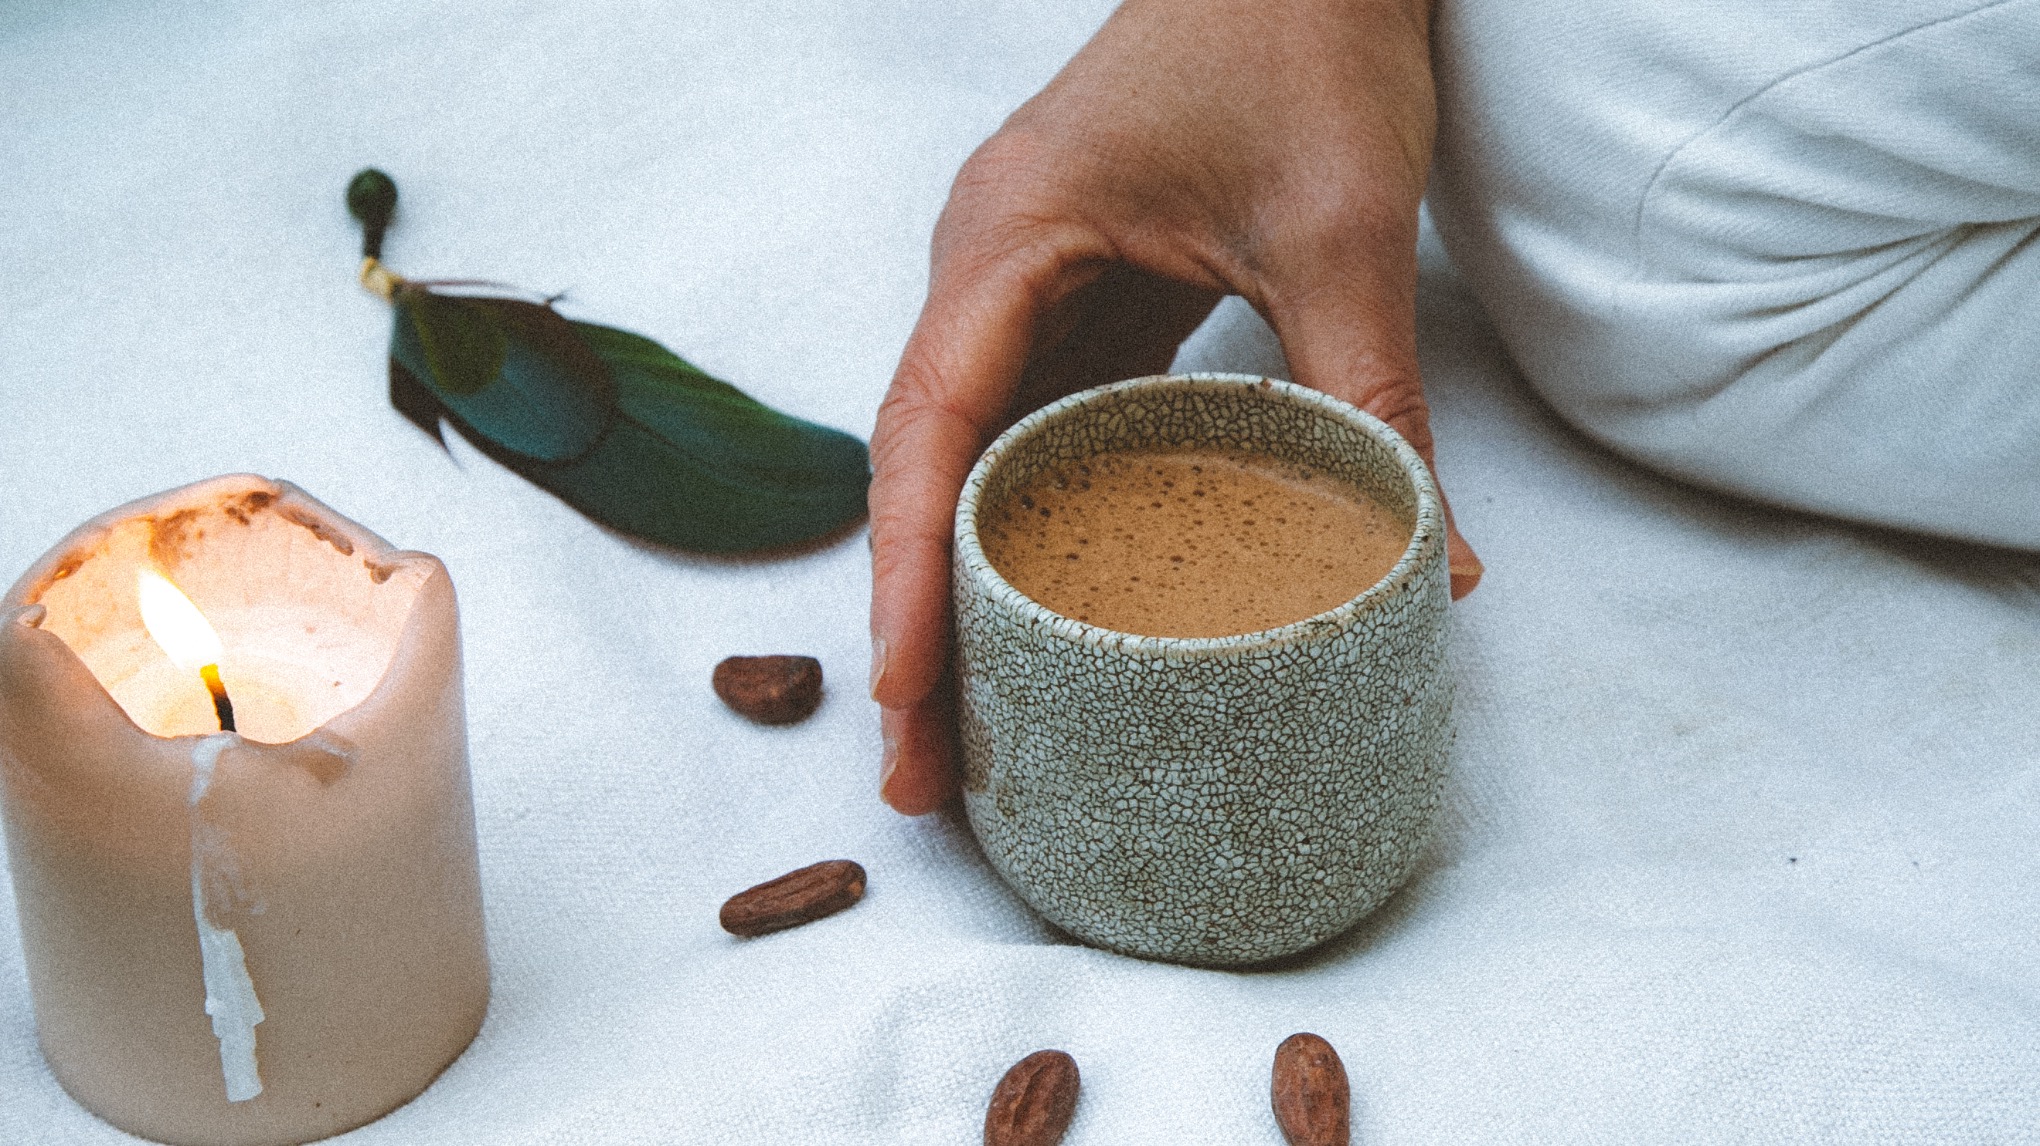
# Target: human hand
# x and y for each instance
(1274, 149)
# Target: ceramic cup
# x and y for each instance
(1211, 800)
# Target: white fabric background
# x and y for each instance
(1740, 846)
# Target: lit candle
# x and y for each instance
(239, 829)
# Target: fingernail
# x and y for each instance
(1465, 575)
(879, 649)
(888, 759)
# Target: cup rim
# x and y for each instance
(1427, 536)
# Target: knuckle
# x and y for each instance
(909, 565)
(905, 554)
(1003, 153)
(1396, 396)
(1400, 402)
(1021, 251)
(1014, 164)
(918, 409)
(912, 485)
(1013, 209)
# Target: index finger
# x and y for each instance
(956, 378)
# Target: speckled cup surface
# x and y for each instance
(1209, 800)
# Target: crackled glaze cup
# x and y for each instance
(1207, 800)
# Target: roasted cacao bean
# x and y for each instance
(770, 690)
(1313, 1104)
(1034, 1103)
(794, 898)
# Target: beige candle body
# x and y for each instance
(332, 842)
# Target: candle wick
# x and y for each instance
(221, 704)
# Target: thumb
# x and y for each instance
(1356, 340)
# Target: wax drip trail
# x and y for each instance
(229, 992)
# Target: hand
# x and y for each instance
(1274, 149)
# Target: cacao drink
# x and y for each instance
(1190, 543)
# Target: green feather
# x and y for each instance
(621, 428)
(801, 467)
(513, 371)
(614, 424)
(461, 346)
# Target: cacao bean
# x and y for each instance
(770, 690)
(1313, 1104)
(795, 898)
(1033, 1104)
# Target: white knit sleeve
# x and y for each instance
(1777, 247)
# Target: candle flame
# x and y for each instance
(175, 623)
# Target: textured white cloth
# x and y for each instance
(1784, 248)
(1740, 846)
